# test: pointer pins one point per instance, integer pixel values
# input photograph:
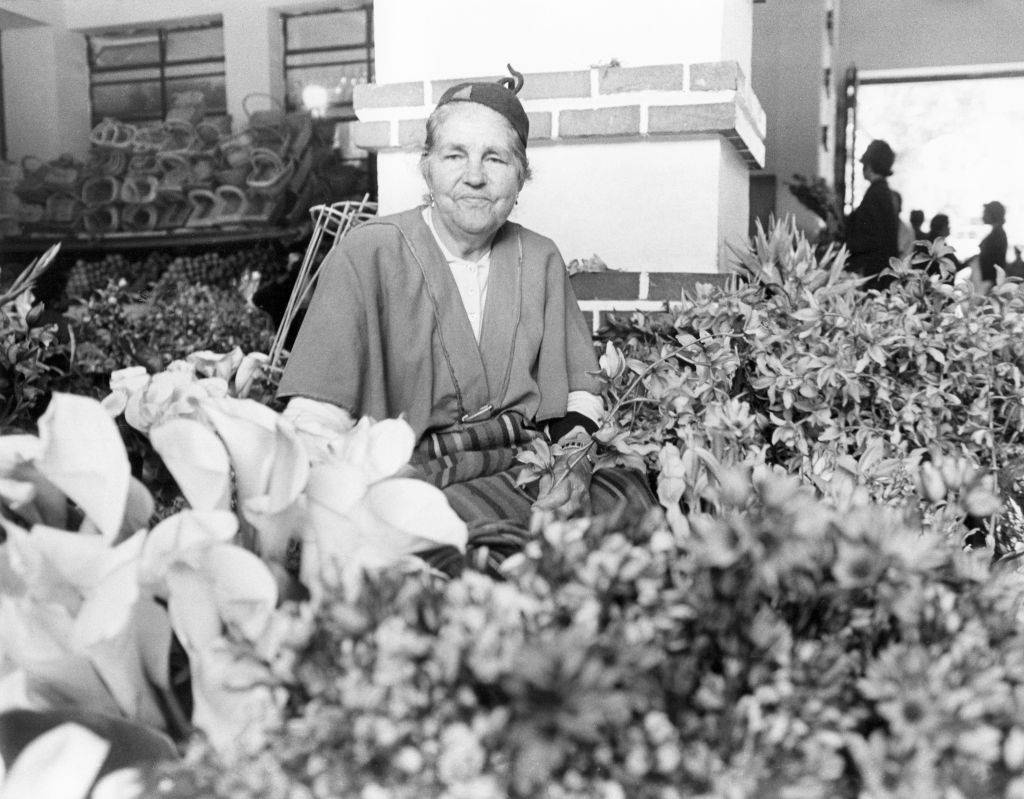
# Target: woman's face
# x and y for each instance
(471, 172)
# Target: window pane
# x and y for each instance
(211, 87)
(188, 45)
(338, 80)
(125, 51)
(336, 29)
(133, 100)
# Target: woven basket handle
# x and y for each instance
(277, 104)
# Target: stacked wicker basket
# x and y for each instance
(187, 172)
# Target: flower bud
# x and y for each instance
(612, 363)
(931, 484)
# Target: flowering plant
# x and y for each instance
(89, 597)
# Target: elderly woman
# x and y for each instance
(465, 324)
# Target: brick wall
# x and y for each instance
(668, 100)
(601, 293)
(680, 106)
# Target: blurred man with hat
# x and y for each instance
(992, 252)
(872, 230)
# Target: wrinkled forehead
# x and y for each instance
(473, 126)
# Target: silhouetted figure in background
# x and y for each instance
(917, 223)
(904, 235)
(992, 250)
(872, 235)
(938, 228)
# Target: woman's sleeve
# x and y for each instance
(338, 340)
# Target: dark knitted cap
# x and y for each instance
(880, 157)
(500, 97)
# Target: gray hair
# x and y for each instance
(440, 114)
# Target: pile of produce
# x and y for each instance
(210, 268)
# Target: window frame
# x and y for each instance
(364, 50)
(161, 65)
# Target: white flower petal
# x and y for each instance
(317, 423)
(138, 510)
(245, 590)
(80, 754)
(249, 431)
(115, 403)
(336, 488)
(276, 526)
(216, 364)
(413, 515)
(76, 559)
(107, 608)
(16, 451)
(231, 697)
(197, 460)
(83, 455)
(153, 640)
(185, 536)
(192, 607)
(390, 447)
(248, 370)
(129, 379)
(125, 783)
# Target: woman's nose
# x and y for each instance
(474, 174)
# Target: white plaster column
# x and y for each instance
(46, 92)
(254, 53)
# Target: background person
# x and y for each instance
(872, 235)
(992, 250)
(917, 224)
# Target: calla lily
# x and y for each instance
(216, 364)
(197, 460)
(248, 370)
(123, 383)
(249, 431)
(129, 379)
(411, 515)
(317, 424)
(149, 404)
(379, 524)
(23, 488)
(612, 363)
(82, 454)
(672, 485)
(183, 536)
(78, 751)
(71, 621)
(271, 468)
(279, 513)
(212, 587)
(380, 449)
(206, 580)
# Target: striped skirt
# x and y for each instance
(476, 467)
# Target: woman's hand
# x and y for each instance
(566, 488)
